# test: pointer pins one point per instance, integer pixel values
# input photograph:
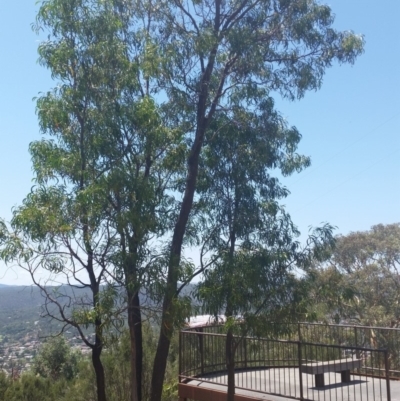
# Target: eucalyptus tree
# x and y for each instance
(250, 248)
(55, 232)
(198, 60)
(91, 172)
(216, 54)
(62, 226)
(105, 66)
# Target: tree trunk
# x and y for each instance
(230, 365)
(137, 317)
(98, 342)
(160, 363)
(136, 341)
(202, 122)
(166, 331)
(99, 369)
(134, 317)
(133, 344)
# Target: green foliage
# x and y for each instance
(170, 391)
(5, 382)
(55, 360)
(58, 373)
(32, 388)
(360, 283)
(248, 238)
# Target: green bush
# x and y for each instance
(33, 388)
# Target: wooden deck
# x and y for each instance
(284, 384)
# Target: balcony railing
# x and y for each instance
(288, 368)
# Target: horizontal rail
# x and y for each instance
(285, 341)
(348, 326)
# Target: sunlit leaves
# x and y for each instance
(249, 239)
(360, 282)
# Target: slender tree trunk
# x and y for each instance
(229, 345)
(99, 369)
(129, 248)
(98, 343)
(160, 363)
(137, 318)
(166, 330)
(136, 341)
(202, 122)
(133, 344)
(230, 365)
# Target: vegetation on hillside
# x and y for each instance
(360, 283)
(60, 373)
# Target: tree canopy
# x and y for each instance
(360, 283)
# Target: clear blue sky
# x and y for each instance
(350, 127)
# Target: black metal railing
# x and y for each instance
(355, 336)
(337, 334)
(288, 368)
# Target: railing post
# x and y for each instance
(180, 355)
(201, 350)
(299, 330)
(245, 351)
(300, 374)
(387, 375)
(355, 336)
(356, 344)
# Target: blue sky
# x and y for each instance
(350, 127)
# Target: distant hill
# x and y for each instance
(21, 309)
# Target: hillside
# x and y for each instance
(21, 308)
(20, 311)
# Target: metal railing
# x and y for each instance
(355, 336)
(338, 334)
(286, 368)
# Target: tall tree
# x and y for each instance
(48, 235)
(127, 152)
(250, 241)
(64, 225)
(216, 54)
